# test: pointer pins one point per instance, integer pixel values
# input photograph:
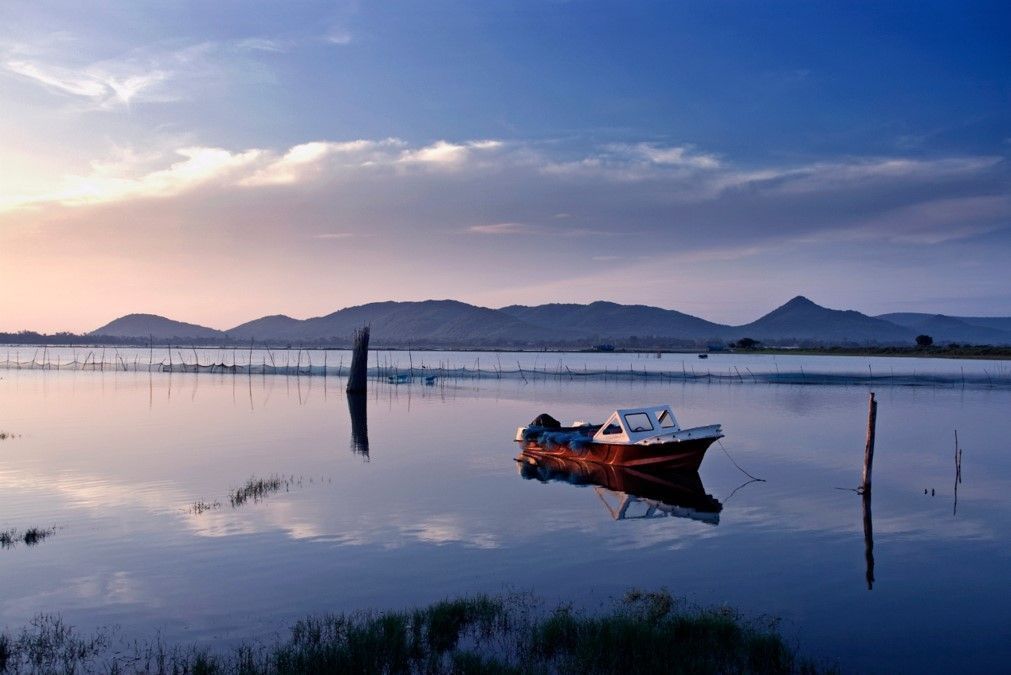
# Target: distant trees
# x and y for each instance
(745, 343)
(924, 340)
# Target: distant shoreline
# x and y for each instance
(979, 352)
(985, 352)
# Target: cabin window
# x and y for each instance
(666, 420)
(611, 429)
(638, 422)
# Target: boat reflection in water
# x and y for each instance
(629, 493)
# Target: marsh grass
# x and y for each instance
(30, 537)
(200, 506)
(257, 489)
(48, 645)
(643, 633)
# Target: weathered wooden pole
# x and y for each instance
(872, 419)
(358, 375)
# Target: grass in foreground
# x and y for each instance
(643, 633)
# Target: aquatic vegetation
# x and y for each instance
(257, 489)
(644, 632)
(30, 537)
(47, 645)
(200, 506)
(254, 490)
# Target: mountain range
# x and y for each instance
(450, 323)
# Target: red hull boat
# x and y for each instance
(646, 437)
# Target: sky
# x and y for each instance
(217, 162)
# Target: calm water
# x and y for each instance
(115, 461)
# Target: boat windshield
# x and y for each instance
(638, 422)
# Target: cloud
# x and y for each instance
(262, 45)
(501, 228)
(67, 82)
(200, 166)
(673, 156)
(338, 36)
(307, 159)
(290, 166)
(822, 176)
(636, 162)
(508, 228)
(446, 154)
(256, 167)
(152, 74)
(95, 83)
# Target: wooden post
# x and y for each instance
(358, 375)
(872, 419)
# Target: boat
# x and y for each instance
(646, 437)
(629, 494)
(703, 356)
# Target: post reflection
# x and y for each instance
(868, 540)
(358, 409)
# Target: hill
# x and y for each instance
(609, 320)
(802, 320)
(154, 326)
(278, 325)
(430, 321)
(973, 330)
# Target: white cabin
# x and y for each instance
(647, 425)
(644, 426)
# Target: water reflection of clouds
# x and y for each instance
(96, 493)
(450, 529)
(105, 589)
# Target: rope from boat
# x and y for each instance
(739, 487)
(738, 465)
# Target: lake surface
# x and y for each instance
(116, 461)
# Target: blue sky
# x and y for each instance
(221, 161)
